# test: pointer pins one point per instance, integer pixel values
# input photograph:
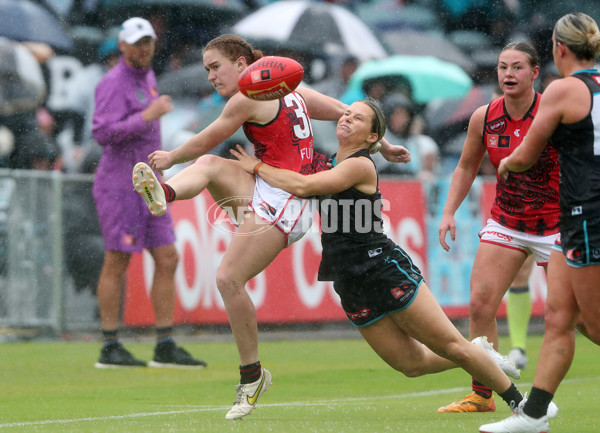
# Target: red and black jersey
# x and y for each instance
(526, 201)
(286, 141)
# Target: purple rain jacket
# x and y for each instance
(121, 96)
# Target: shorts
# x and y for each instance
(292, 215)
(386, 289)
(538, 246)
(579, 241)
(126, 223)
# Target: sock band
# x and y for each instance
(109, 337)
(481, 390)
(164, 335)
(250, 373)
(169, 192)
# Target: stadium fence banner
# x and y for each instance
(51, 253)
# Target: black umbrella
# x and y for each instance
(207, 12)
(24, 20)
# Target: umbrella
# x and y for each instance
(188, 82)
(429, 78)
(22, 86)
(417, 43)
(328, 25)
(445, 118)
(208, 12)
(24, 20)
(383, 15)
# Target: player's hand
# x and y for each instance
(158, 108)
(160, 160)
(503, 170)
(394, 153)
(447, 224)
(248, 162)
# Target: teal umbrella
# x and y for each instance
(424, 78)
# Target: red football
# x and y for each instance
(270, 78)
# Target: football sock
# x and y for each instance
(164, 335)
(481, 390)
(250, 373)
(518, 313)
(169, 192)
(537, 403)
(512, 395)
(109, 337)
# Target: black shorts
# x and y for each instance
(387, 288)
(580, 241)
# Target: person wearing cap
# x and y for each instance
(126, 124)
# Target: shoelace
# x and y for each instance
(240, 393)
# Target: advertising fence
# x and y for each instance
(51, 254)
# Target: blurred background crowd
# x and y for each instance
(429, 62)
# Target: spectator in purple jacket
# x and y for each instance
(127, 125)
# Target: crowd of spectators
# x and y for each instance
(56, 135)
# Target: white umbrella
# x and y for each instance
(22, 85)
(328, 25)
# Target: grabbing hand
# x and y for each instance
(160, 160)
(248, 162)
(395, 153)
(503, 170)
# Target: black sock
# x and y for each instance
(537, 403)
(512, 396)
(481, 390)
(164, 335)
(169, 192)
(250, 373)
(109, 337)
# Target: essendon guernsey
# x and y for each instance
(286, 141)
(526, 201)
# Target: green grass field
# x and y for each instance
(318, 386)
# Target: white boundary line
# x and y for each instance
(195, 409)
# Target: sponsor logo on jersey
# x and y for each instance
(397, 292)
(375, 252)
(366, 312)
(501, 236)
(573, 255)
(268, 208)
(498, 141)
(497, 126)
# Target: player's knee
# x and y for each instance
(168, 262)
(208, 163)
(481, 311)
(410, 370)
(228, 284)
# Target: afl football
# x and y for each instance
(270, 78)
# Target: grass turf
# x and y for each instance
(318, 386)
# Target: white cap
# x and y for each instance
(135, 29)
